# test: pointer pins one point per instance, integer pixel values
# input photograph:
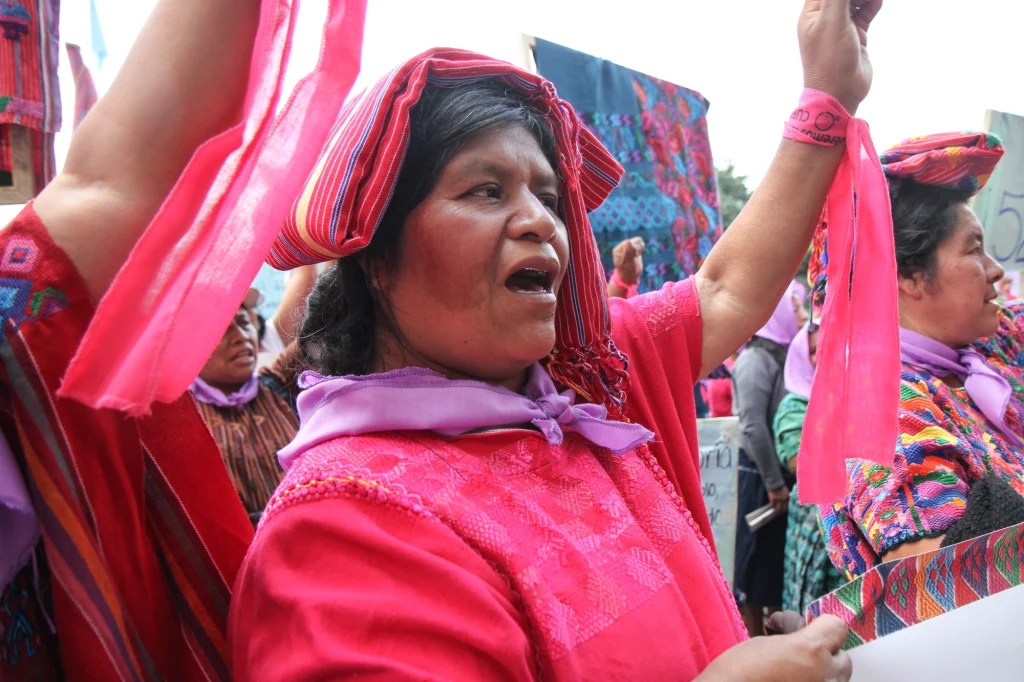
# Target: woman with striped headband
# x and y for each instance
(961, 415)
(482, 487)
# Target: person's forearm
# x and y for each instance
(750, 267)
(288, 317)
(617, 291)
(183, 82)
(758, 446)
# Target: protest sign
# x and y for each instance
(980, 641)
(719, 453)
(271, 284)
(1000, 206)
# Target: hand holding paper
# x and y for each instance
(811, 654)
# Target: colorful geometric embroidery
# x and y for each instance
(624, 131)
(14, 295)
(29, 92)
(15, 20)
(20, 255)
(47, 302)
(17, 302)
(675, 124)
(896, 595)
(28, 648)
(939, 582)
(658, 132)
(945, 445)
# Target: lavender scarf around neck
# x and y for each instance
(984, 384)
(782, 326)
(205, 393)
(417, 399)
(799, 372)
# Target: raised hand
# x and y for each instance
(833, 46)
(628, 256)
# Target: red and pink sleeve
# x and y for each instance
(661, 333)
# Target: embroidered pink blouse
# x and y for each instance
(409, 555)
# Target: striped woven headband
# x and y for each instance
(348, 192)
(962, 161)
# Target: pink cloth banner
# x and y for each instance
(173, 298)
(856, 391)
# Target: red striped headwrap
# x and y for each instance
(349, 189)
(962, 161)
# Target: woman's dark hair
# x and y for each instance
(338, 328)
(922, 217)
(261, 326)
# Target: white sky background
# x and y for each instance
(939, 64)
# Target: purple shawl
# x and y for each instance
(782, 327)
(19, 527)
(799, 372)
(417, 399)
(984, 384)
(205, 393)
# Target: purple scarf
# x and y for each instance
(205, 393)
(799, 372)
(19, 527)
(781, 328)
(417, 399)
(983, 383)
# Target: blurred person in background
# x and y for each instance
(758, 390)
(807, 571)
(958, 471)
(282, 327)
(250, 410)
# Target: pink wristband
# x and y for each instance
(820, 119)
(631, 289)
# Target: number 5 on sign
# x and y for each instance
(1008, 231)
(1000, 206)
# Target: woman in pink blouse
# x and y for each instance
(482, 487)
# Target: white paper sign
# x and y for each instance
(980, 641)
(271, 284)
(719, 453)
(1000, 206)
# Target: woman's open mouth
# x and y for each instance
(244, 357)
(531, 281)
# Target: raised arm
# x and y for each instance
(628, 256)
(288, 317)
(748, 270)
(183, 82)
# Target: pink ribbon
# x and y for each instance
(853, 411)
(819, 119)
(631, 289)
(173, 298)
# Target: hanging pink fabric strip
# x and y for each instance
(855, 398)
(176, 293)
